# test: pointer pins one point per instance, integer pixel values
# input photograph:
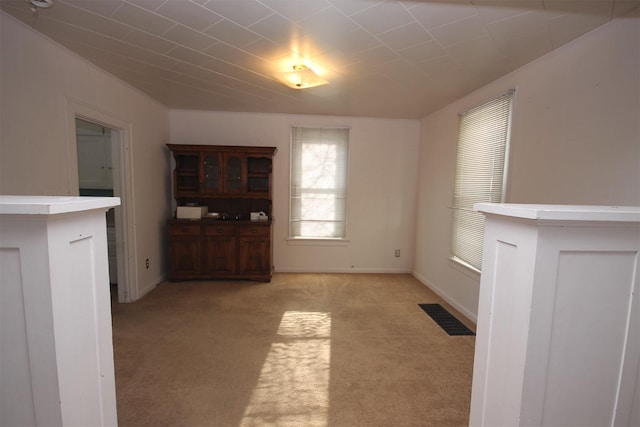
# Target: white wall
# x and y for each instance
(382, 185)
(41, 85)
(575, 140)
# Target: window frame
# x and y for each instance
(319, 240)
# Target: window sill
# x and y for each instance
(465, 268)
(307, 241)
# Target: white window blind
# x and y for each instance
(319, 161)
(480, 173)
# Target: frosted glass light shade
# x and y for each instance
(302, 77)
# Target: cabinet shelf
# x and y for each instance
(259, 165)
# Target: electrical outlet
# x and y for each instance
(147, 263)
(397, 253)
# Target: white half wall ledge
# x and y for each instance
(52, 205)
(562, 212)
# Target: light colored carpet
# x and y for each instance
(303, 350)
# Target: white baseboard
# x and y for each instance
(442, 294)
(142, 291)
(345, 270)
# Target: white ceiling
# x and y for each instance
(397, 59)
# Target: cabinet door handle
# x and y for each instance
(220, 230)
(254, 231)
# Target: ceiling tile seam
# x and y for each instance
(433, 36)
(359, 26)
(131, 28)
(330, 4)
(383, 32)
(501, 41)
(204, 68)
(144, 8)
(236, 65)
(240, 24)
(174, 21)
(112, 13)
(221, 18)
(165, 54)
(455, 21)
(241, 47)
(88, 30)
(219, 94)
(263, 18)
(375, 36)
(248, 28)
(293, 23)
(88, 43)
(115, 21)
(168, 40)
(408, 45)
(208, 89)
(327, 5)
(276, 13)
(129, 57)
(94, 14)
(373, 4)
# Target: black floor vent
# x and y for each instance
(446, 320)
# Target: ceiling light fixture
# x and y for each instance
(302, 77)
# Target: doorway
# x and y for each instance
(99, 160)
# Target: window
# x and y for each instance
(319, 159)
(483, 140)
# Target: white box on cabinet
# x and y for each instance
(191, 212)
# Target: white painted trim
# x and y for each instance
(124, 216)
(450, 300)
(151, 285)
(305, 241)
(345, 270)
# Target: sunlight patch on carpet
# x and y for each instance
(293, 387)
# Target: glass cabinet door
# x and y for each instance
(211, 165)
(234, 174)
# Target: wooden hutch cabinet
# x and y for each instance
(232, 182)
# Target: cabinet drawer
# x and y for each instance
(219, 230)
(184, 229)
(255, 230)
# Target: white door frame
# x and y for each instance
(122, 186)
